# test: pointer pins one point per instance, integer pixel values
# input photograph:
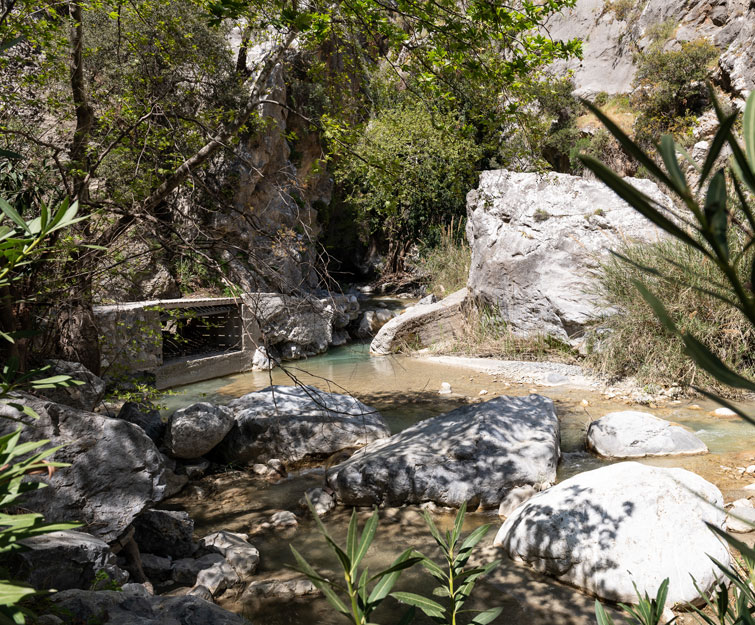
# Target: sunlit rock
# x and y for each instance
(476, 453)
(602, 530)
(633, 434)
(292, 423)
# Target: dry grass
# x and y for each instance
(445, 267)
(633, 342)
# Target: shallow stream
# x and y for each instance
(405, 390)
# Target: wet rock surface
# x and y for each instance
(476, 453)
(293, 423)
(603, 529)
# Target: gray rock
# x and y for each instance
(604, 529)
(243, 557)
(156, 568)
(283, 519)
(195, 470)
(422, 325)
(117, 608)
(66, 559)
(116, 471)
(322, 501)
(195, 430)
(515, 498)
(149, 419)
(84, 396)
(279, 589)
(372, 321)
(537, 242)
(292, 423)
(48, 619)
(185, 570)
(427, 299)
(633, 434)
(165, 533)
(174, 483)
(218, 577)
(476, 453)
(261, 360)
(202, 592)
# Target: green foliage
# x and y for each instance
(647, 611)
(361, 600)
(670, 88)
(455, 580)
(410, 171)
(17, 461)
(712, 221)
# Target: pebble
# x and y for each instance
(283, 519)
(483, 392)
(694, 407)
(750, 470)
(584, 402)
(724, 412)
(445, 389)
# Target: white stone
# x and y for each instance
(633, 434)
(283, 519)
(724, 412)
(603, 529)
(445, 388)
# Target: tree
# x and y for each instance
(136, 104)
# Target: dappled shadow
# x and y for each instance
(475, 453)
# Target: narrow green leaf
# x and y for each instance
(351, 539)
(602, 616)
(668, 153)
(488, 616)
(428, 606)
(458, 523)
(320, 583)
(13, 215)
(368, 535)
(748, 129)
(715, 147)
(715, 213)
(470, 542)
(641, 202)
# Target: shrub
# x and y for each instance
(670, 88)
(409, 173)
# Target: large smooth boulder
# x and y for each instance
(195, 430)
(633, 434)
(604, 529)
(422, 325)
(295, 422)
(116, 471)
(476, 453)
(129, 608)
(146, 417)
(538, 240)
(65, 559)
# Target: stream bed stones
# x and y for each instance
(476, 453)
(605, 529)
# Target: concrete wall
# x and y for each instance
(131, 342)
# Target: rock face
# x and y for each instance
(422, 325)
(612, 38)
(195, 430)
(476, 453)
(66, 559)
(116, 471)
(294, 422)
(146, 417)
(602, 529)
(632, 434)
(84, 396)
(126, 608)
(538, 239)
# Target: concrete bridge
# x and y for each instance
(179, 341)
